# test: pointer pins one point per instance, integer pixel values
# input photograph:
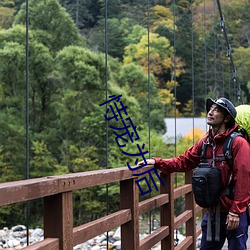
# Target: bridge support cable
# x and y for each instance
(215, 51)
(192, 71)
(149, 121)
(106, 83)
(236, 82)
(27, 204)
(174, 72)
(176, 239)
(221, 66)
(205, 48)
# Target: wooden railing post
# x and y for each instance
(58, 219)
(167, 211)
(190, 205)
(129, 198)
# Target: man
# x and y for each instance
(221, 115)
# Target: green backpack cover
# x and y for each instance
(243, 119)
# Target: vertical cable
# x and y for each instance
(192, 77)
(175, 95)
(27, 112)
(205, 51)
(222, 69)
(215, 51)
(148, 24)
(106, 81)
(149, 122)
(237, 87)
(174, 76)
(229, 83)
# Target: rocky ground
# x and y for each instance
(16, 238)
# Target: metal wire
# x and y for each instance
(106, 82)
(149, 122)
(205, 50)
(27, 207)
(215, 51)
(175, 107)
(236, 82)
(174, 73)
(192, 77)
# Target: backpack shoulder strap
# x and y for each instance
(227, 148)
(203, 152)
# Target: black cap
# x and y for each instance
(223, 103)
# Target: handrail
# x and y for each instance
(59, 233)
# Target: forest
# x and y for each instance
(60, 60)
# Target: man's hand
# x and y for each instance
(149, 162)
(232, 221)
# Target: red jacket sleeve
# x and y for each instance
(183, 163)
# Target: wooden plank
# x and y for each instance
(185, 244)
(46, 244)
(152, 203)
(178, 192)
(98, 177)
(58, 219)
(182, 218)
(154, 238)
(24, 190)
(90, 230)
(129, 196)
(167, 211)
(198, 231)
(190, 205)
(198, 209)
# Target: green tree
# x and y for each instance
(161, 57)
(84, 13)
(117, 31)
(42, 163)
(136, 82)
(6, 17)
(81, 90)
(53, 25)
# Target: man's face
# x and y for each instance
(215, 116)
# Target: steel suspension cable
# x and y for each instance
(229, 54)
(27, 207)
(205, 50)
(106, 83)
(215, 52)
(192, 76)
(149, 121)
(222, 68)
(174, 73)
(175, 95)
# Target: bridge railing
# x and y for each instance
(59, 233)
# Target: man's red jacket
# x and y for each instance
(241, 167)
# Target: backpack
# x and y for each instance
(243, 120)
(206, 185)
(206, 179)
